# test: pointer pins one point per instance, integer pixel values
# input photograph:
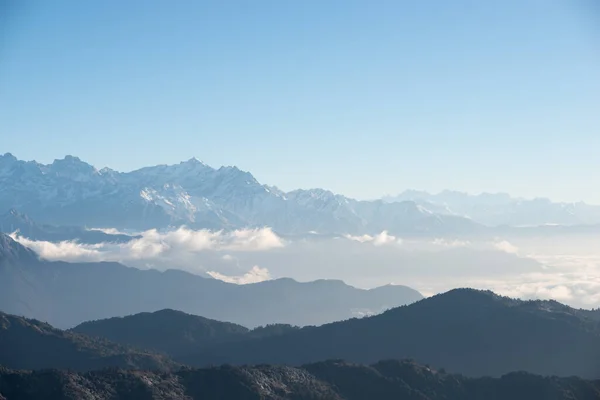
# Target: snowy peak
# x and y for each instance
(72, 192)
(73, 168)
(7, 158)
(195, 161)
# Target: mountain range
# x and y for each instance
(66, 294)
(73, 193)
(465, 331)
(497, 209)
(476, 333)
(14, 221)
(330, 380)
(31, 344)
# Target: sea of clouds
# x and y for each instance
(563, 268)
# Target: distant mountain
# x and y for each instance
(174, 333)
(331, 380)
(72, 192)
(14, 221)
(31, 344)
(466, 331)
(502, 209)
(66, 294)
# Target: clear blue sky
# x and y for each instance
(360, 97)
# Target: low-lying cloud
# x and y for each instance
(566, 269)
(380, 239)
(506, 246)
(255, 275)
(154, 244)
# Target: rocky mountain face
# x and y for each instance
(15, 222)
(331, 380)
(66, 294)
(72, 192)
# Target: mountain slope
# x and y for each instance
(332, 380)
(466, 331)
(72, 192)
(31, 344)
(14, 221)
(66, 294)
(169, 331)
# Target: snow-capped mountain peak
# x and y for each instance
(71, 191)
(73, 168)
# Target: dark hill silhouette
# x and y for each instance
(31, 344)
(331, 380)
(174, 333)
(15, 221)
(67, 294)
(466, 331)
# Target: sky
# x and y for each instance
(364, 98)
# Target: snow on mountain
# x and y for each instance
(72, 192)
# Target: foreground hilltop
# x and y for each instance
(174, 332)
(466, 331)
(31, 344)
(331, 380)
(476, 333)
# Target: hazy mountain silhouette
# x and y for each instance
(466, 331)
(496, 209)
(31, 344)
(174, 333)
(331, 380)
(66, 294)
(14, 221)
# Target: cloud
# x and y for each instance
(451, 242)
(380, 239)
(360, 239)
(506, 247)
(384, 238)
(153, 244)
(65, 251)
(566, 269)
(108, 231)
(255, 275)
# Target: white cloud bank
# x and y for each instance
(566, 269)
(380, 239)
(154, 244)
(506, 247)
(255, 275)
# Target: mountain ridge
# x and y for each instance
(328, 380)
(30, 344)
(72, 192)
(464, 330)
(498, 209)
(67, 294)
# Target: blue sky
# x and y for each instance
(360, 97)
